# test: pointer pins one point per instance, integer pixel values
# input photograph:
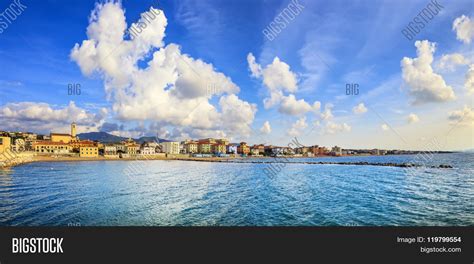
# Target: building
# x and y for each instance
(89, 152)
(232, 148)
(336, 151)
(52, 147)
(147, 150)
(57, 137)
(121, 148)
(218, 148)
(223, 141)
(207, 141)
(269, 150)
(5, 144)
(243, 148)
(110, 150)
(132, 149)
(375, 152)
(302, 150)
(65, 138)
(170, 147)
(288, 151)
(20, 145)
(204, 148)
(129, 147)
(153, 144)
(77, 144)
(191, 146)
(318, 151)
(259, 148)
(255, 151)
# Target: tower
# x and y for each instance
(73, 130)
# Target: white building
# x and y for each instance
(147, 150)
(170, 147)
(110, 150)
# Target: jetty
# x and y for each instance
(360, 163)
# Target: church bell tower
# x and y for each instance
(73, 130)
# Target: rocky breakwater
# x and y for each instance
(360, 163)
(12, 158)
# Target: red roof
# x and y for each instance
(49, 143)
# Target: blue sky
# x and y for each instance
(326, 46)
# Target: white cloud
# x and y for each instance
(334, 128)
(173, 88)
(274, 99)
(298, 127)
(327, 113)
(266, 128)
(277, 76)
(359, 109)
(464, 116)
(425, 85)
(279, 79)
(327, 125)
(412, 118)
(43, 117)
(451, 61)
(464, 28)
(255, 68)
(385, 127)
(469, 80)
(237, 115)
(289, 105)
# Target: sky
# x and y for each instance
(205, 68)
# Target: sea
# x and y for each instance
(188, 193)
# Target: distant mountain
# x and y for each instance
(101, 136)
(151, 139)
(108, 138)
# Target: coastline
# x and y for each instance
(235, 160)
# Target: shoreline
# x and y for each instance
(235, 160)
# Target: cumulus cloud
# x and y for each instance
(298, 127)
(281, 84)
(327, 113)
(266, 128)
(463, 116)
(359, 109)
(469, 80)
(278, 76)
(44, 118)
(237, 115)
(451, 61)
(385, 127)
(327, 125)
(412, 118)
(255, 68)
(425, 85)
(289, 105)
(464, 28)
(173, 88)
(334, 128)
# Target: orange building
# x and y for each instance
(76, 145)
(243, 148)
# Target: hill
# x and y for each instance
(108, 138)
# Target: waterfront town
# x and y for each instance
(21, 145)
